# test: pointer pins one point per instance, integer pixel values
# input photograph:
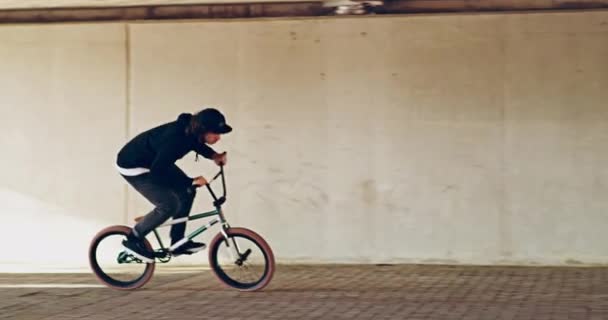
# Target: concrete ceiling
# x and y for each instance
(15, 11)
(454, 4)
(38, 4)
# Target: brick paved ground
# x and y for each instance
(325, 292)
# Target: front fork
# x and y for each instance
(226, 226)
(238, 258)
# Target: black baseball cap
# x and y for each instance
(213, 121)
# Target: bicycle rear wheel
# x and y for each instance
(244, 261)
(115, 267)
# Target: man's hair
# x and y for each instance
(195, 127)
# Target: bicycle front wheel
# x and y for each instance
(243, 261)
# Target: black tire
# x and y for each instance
(105, 278)
(268, 267)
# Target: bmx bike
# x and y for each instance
(240, 258)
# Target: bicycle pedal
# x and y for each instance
(160, 254)
(176, 254)
(197, 250)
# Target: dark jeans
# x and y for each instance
(172, 198)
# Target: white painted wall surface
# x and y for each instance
(62, 99)
(449, 138)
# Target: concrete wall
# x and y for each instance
(62, 99)
(459, 139)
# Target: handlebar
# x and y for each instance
(216, 201)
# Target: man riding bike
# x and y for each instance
(147, 163)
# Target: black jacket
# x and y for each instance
(159, 148)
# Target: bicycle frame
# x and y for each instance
(217, 202)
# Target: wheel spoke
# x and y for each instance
(115, 267)
(243, 274)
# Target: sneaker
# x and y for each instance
(189, 247)
(136, 247)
